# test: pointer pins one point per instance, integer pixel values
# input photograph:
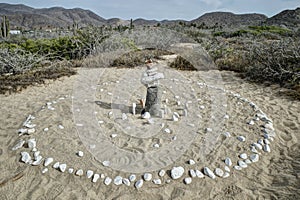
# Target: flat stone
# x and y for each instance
(177, 172)
(132, 177)
(118, 180)
(139, 184)
(237, 167)
(63, 167)
(243, 156)
(226, 174)
(209, 173)
(242, 164)
(219, 172)
(18, 145)
(106, 163)
(70, 170)
(79, 172)
(147, 176)
(89, 173)
(241, 138)
(126, 182)
(192, 162)
(161, 173)
(254, 157)
(227, 169)
(192, 173)
(80, 153)
(228, 161)
(267, 148)
(248, 161)
(258, 146)
(56, 165)
(26, 158)
(199, 174)
(157, 181)
(45, 170)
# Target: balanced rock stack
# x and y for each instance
(151, 80)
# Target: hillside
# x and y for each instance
(27, 17)
(288, 18)
(230, 19)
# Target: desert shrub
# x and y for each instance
(182, 64)
(275, 61)
(17, 82)
(138, 57)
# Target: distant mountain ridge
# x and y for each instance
(20, 15)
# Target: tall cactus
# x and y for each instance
(5, 27)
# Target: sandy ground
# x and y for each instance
(82, 106)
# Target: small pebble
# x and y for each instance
(107, 181)
(254, 157)
(241, 138)
(192, 162)
(118, 180)
(62, 167)
(70, 170)
(126, 181)
(56, 165)
(139, 184)
(157, 181)
(228, 161)
(106, 163)
(209, 173)
(188, 180)
(199, 174)
(79, 172)
(177, 172)
(161, 173)
(80, 153)
(89, 173)
(132, 177)
(147, 176)
(226, 174)
(267, 148)
(227, 169)
(242, 164)
(219, 172)
(244, 156)
(237, 167)
(61, 127)
(45, 170)
(95, 178)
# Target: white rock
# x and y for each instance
(244, 156)
(31, 143)
(132, 177)
(70, 170)
(118, 180)
(167, 130)
(133, 108)
(227, 169)
(79, 172)
(18, 145)
(251, 122)
(36, 154)
(80, 153)
(61, 126)
(253, 149)
(227, 134)
(188, 180)
(89, 173)
(95, 178)
(258, 146)
(26, 158)
(126, 181)
(199, 174)
(146, 115)
(106, 163)
(192, 173)
(56, 165)
(209, 173)
(62, 167)
(177, 172)
(46, 129)
(34, 149)
(226, 117)
(202, 107)
(242, 164)
(174, 118)
(267, 148)
(237, 167)
(192, 162)
(161, 173)
(219, 172)
(241, 138)
(45, 170)
(139, 183)
(147, 176)
(30, 131)
(208, 130)
(228, 161)
(157, 181)
(107, 181)
(261, 142)
(124, 116)
(156, 145)
(174, 138)
(226, 174)
(248, 161)
(38, 160)
(48, 161)
(266, 141)
(151, 121)
(113, 135)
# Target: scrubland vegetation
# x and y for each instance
(258, 53)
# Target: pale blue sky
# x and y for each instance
(166, 9)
